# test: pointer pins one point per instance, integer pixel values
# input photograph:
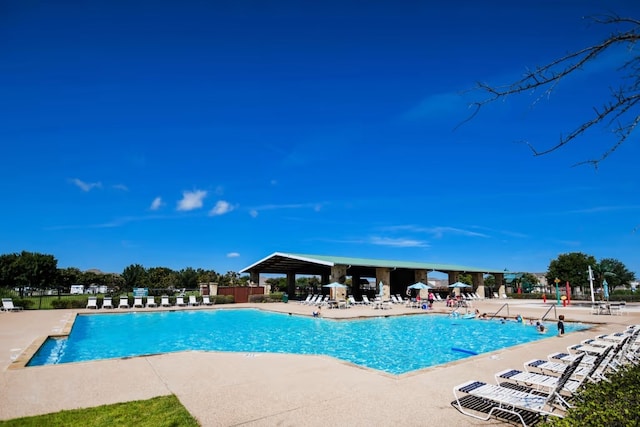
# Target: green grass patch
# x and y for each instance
(163, 411)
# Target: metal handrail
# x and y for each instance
(503, 306)
(553, 306)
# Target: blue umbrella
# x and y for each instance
(420, 285)
(459, 285)
(605, 289)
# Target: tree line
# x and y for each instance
(28, 271)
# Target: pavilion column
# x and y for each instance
(500, 284)
(453, 278)
(339, 274)
(355, 287)
(421, 276)
(383, 275)
(478, 283)
(291, 284)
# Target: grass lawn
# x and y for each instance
(159, 411)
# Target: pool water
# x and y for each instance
(395, 344)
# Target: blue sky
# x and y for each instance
(211, 134)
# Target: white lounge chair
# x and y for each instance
(547, 382)
(206, 300)
(505, 399)
(193, 301)
(180, 302)
(306, 300)
(151, 302)
(124, 302)
(107, 302)
(7, 305)
(365, 300)
(164, 301)
(137, 302)
(92, 302)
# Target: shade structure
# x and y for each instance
(459, 285)
(334, 285)
(419, 285)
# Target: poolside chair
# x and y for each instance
(305, 301)
(180, 302)
(546, 382)
(365, 300)
(137, 302)
(193, 301)
(92, 302)
(151, 302)
(124, 302)
(206, 300)
(499, 398)
(164, 301)
(7, 305)
(107, 303)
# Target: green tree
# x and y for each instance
(187, 278)
(67, 277)
(35, 271)
(614, 271)
(571, 267)
(162, 278)
(135, 276)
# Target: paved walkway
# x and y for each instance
(255, 389)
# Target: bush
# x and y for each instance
(606, 403)
(24, 303)
(61, 303)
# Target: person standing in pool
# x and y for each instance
(561, 324)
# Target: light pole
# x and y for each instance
(557, 291)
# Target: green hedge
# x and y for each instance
(273, 297)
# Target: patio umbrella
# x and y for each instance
(459, 285)
(605, 289)
(334, 285)
(419, 285)
(381, 288)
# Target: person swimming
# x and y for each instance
(541, 328)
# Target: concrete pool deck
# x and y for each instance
(257, 389)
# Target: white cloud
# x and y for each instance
(191, 200)
(233, 255)
(86, 186)
(253, 213)
(222, 207)
(401, 243)
(121, 187)
(156, 204)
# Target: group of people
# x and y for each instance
(540, 327)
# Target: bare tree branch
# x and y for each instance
(620, 113)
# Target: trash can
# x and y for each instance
(285, 298)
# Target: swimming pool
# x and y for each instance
(395, 344)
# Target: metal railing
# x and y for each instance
(499, 310)
(555, 313)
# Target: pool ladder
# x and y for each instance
(503, 306)
(552, 306)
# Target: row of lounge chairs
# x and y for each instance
(150, 302)
(546, 387)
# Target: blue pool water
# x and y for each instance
(396, 344)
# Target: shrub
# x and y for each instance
(605, 403)
(61, 303)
